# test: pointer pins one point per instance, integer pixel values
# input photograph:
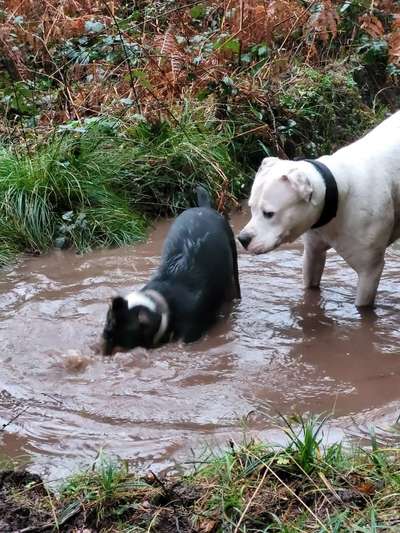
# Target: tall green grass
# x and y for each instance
(95, 184)
(50, 197)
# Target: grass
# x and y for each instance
(108, 491)
(50, 196)
(95, 184)
(252, 487)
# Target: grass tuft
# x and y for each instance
(105, 492)
(95, 185)
(44, 199)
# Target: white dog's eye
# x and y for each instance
(268, 214)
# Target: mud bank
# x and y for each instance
(300, 487)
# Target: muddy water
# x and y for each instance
(280, 350)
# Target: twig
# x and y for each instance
(159, 481)
(131, 78)
(53, 509)
(304, 12)
(3, 427)
(32, 529)
(250, 501)
(153, 520)
(71, 100)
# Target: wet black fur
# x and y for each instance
(198, 273)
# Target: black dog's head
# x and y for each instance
(130, 323)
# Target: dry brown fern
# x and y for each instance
(256, 21)
(394, 47)
(372, 25)
(323, 23)
(170, 56)
(12, 56)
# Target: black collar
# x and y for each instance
(331, 199)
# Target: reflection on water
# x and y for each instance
(280, 350)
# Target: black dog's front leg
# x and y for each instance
(195, 326)
(232, 242)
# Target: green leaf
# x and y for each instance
(140, 75)
(126, 101)
(228, 45)
(226, 80)
(202, 94)
(198, 12)
(262, 50)
(246, 58)
(93, 26)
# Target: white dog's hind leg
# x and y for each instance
(313, 261)
(368, 281)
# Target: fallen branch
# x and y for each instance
(3, 427)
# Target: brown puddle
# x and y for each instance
(280, 351)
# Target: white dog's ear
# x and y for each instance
(300, 183)
(268, 162)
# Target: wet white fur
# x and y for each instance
(367, 173)
(137, 298)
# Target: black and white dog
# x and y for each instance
(197, 275)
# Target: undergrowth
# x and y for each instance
(111, 114)
(325, 109)
(99, 181)
(252, 487)
(94, 184)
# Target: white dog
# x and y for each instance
(349, 201)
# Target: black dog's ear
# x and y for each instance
(119, 305)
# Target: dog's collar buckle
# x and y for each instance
(331, 200)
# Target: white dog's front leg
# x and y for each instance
(313, 261)
(368, 281)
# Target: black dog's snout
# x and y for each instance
(244, 240)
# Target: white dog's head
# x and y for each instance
(282, 206)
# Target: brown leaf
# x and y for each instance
(324, 22)
(207, 526)
(372, 25)
(396, 22)
(366, 488)
(394, 47)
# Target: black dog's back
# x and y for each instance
(198, 270)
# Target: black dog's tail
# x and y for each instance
(203, 198)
